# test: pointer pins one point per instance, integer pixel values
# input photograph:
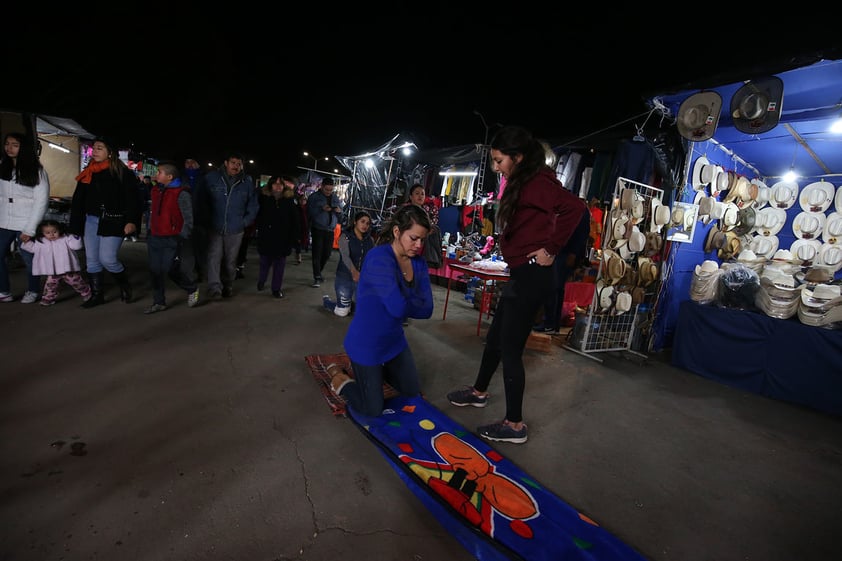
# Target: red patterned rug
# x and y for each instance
(318, 367)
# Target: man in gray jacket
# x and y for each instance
(323, 212)
(229, 198)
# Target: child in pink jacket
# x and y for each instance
(55, 257)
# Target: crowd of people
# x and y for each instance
(197, 225)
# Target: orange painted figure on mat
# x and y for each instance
(596, 222)
(469, 483)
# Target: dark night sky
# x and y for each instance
(344, 82)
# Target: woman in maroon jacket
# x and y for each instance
(537, 216)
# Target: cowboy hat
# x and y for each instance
(805, 251)
(733, 245)
(604, 294)
(637, 241)
(623, 302)
(729, 217)
(707, 267)
(816, 197)
(654, 243)
(772, 220)
(763, 192)
(620, 231)
(830, 256)
(808, 225)
(647, 271)
(821, 295)
(701, 175)
(677, 216)
(784, 194)
(660, 215)
(719, 183)
(705, 208)
(756, 106)
(832, 232)
(738, 190)
(614, 266)
(698, 116)
(837, 200)
(714, 240)
(764, 246)
(746, 218)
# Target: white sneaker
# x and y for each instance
(29, 297)
(193, 299)
(6, 297)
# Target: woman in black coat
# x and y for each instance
(278, 230)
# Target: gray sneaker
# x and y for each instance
(503, 432)
(193, 299)
(466, 396)
(155, 308)
(29, 297)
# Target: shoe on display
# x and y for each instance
(466, 396)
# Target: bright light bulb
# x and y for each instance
(790, 175)
(836, 127)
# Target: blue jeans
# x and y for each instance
(33, 283)
(345, 289)
(101, 251)
(366, 394)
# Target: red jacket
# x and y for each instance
(545, 217)
(166, 218)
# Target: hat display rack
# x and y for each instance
(778, 230)
(629, 274)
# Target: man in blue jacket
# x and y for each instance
(229, 198)
(323, 212)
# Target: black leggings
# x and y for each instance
(519, 302)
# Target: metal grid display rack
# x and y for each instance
(607, 330)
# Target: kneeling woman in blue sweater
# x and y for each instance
(394, 284)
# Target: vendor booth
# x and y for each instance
(750, 298)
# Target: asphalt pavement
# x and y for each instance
(200, 434)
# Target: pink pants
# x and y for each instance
(75, 280)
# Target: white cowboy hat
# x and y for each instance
(619, 229)
(763, 193)
(837, 200)
(729, 217)
(698, 116)
(816, 197)
(701, 173)
(772, 220)
(808, 225)
(820, 295)
(756, 106)
(783, 255)
(623, 303)
(637, 241)
(832, 232)
(614, 267)
(604, 293)
(658, 217)
(784, 194)
(627, 197)
(830, 256)
(764, 246)
(805, 250)
(719, 182)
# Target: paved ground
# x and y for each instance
(199, 434)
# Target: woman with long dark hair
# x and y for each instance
(394, 284)
(24, 197)
(536, 218)
(105, 208)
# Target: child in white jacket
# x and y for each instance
(55, 257)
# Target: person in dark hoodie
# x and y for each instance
(229, 199)
(105, 208)
(170, 226)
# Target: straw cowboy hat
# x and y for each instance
(705, 208)
(733, 245)
(654, 243)
(622, 303)
(614, 266)
(698, 116)
(729, 217)
(660, 215)
(647, 271)
(816, 197)
(805, 251)
(821, 295)
(808, 225)
(739, 191)
(714, 240)
(832, 233)
(756, 106)
(707, 267)
(719, 183)
(784, 194)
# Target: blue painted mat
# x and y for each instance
(494, 509)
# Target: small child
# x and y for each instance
(55, 257)
(170, 227)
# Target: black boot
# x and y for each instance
(97, 297)
(125, 287)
